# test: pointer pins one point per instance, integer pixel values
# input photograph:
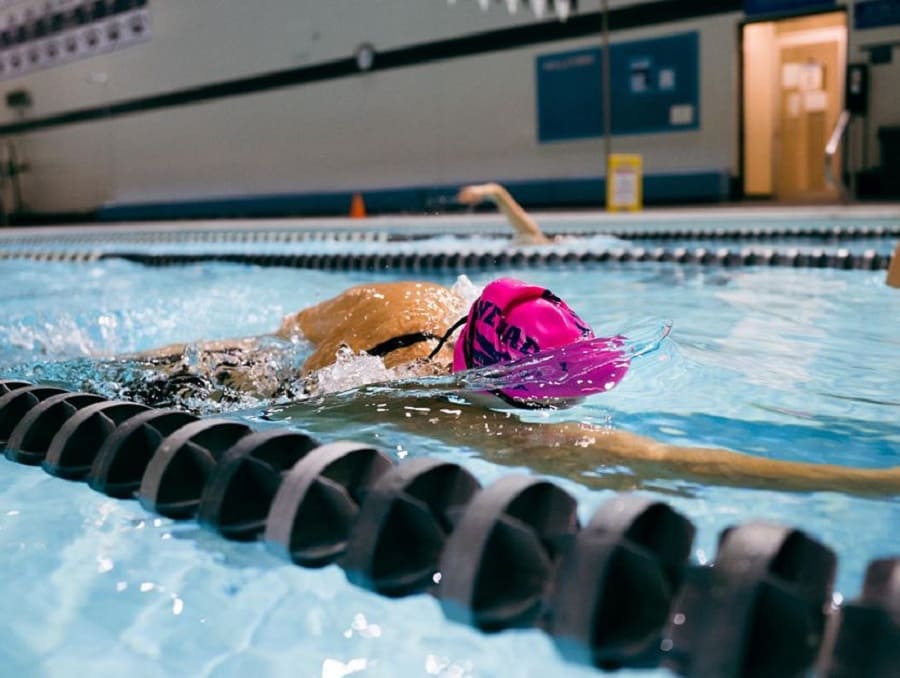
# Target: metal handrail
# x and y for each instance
(834, 143)
(11, 169)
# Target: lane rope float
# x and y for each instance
(619, 592)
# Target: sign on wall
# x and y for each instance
(654, 87)
(39, 35)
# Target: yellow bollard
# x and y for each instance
(624, 182)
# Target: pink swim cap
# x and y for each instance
(512, 320)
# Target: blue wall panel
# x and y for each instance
(650, 78)
(569, 95)
(876, 13)
(655, 87)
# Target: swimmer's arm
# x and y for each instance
(596, 447)
(893, 276)
(526, 228)
(727, 467)
(594, 455)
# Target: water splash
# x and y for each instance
(269, 373)
(353, 373)
(196, 380)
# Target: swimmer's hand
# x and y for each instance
(893, 276)
(477, 193)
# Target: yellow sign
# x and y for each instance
(624, 182)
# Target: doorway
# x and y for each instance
(793, 93)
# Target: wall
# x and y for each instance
(440, 123)
(884, 100)
(761, 57)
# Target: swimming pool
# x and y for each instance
(786, 363)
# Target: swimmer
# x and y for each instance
(427, 329)
(403, 320)
(526, 228)
(893, 276)
(400, 322)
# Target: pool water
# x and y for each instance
(790, 364)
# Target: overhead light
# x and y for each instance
(365, 56)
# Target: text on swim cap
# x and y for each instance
(510, 335)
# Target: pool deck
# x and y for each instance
(714, 219)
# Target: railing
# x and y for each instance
(10, 169)
(832, 147)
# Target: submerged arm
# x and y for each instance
(585, 452)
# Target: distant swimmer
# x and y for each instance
(526, 228)
(893, 276)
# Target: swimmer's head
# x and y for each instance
(512, 320)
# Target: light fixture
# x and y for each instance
(365, 56)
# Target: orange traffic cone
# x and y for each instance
(357, 207)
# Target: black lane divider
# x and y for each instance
(30, 439)
(395, 546)
(122, 456)
(864, 635)
(179, 468)
(613, 593)
(619, 592)
(72, 451)
(497, 564)
(239, 492)
(761, 605)
(761, 233)
(315, 506)
(16, 403)
(76, 237)
(751, 254)
(490, 260)
(377, 234)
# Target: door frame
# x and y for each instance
(742, 108)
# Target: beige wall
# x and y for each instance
(446, 122)
(884, 93)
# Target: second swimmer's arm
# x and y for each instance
(527, 230)
(893, 276)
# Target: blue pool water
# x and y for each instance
(790, 364)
